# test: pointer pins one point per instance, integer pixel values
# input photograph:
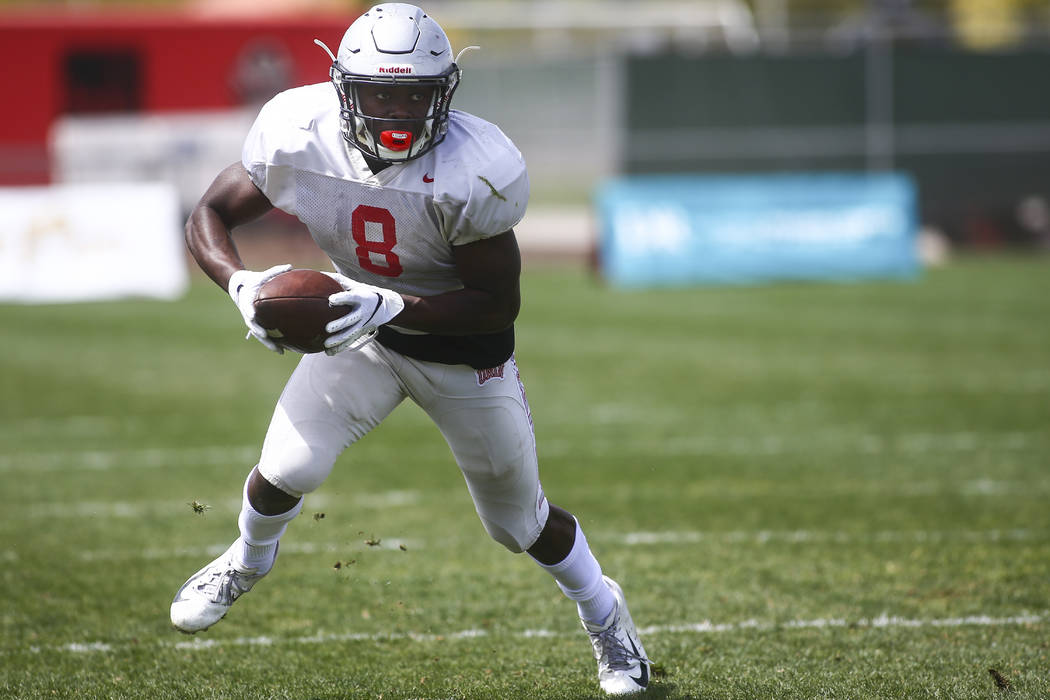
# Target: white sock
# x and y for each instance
(579, 576)
(260, 534)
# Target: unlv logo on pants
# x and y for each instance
(491, 373)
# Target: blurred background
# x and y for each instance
(949, 94)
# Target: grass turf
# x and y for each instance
(806, 491)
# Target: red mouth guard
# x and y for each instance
(396, 140)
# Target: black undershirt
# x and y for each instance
(479, 351)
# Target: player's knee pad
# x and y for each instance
(297, 469)
(516, 528)
(504, 537)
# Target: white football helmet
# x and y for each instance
(394, 44)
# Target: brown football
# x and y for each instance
(293, 308)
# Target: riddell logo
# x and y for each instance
(397, 70)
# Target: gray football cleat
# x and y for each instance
(207, 596)
(623, 667)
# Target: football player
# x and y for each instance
(415, 205)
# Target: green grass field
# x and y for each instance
(806, 490)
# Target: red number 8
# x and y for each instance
(385, 248)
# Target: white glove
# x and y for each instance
(370, 307)
(244, 287)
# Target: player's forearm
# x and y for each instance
(211, 245)
(462, 312)
(231, 200)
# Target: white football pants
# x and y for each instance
(331, 402)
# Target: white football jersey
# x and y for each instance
(395, 228)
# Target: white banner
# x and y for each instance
(65, 243)
(186, 149)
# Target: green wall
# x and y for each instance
(974, 129)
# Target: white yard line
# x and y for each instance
(683, 446)
(51, 510)
(67, 426)
(150, 457)
(883, 621)
(292, 545)
(826, 536)
(797, 443)
(982, 487)
(288, 546)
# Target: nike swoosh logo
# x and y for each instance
(375, 310)
(427, 178)
(643, 678)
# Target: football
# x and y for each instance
(293, 308)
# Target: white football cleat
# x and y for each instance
(207, 596)
(623, 667)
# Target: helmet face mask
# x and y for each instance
(395, 46)
(394, 139)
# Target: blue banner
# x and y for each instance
(694, 229)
